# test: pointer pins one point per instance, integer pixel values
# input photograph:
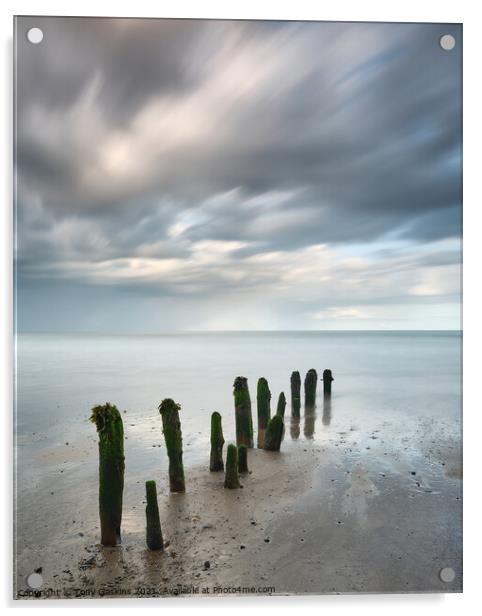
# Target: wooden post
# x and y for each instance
(295, 393)
(311, 380)
(231, 479)
(263, 398)
(274, 434)
(242, 409)
(243, 459)
(171, 425)
(153, 525)
(280, 409)
(217, 441)
(110, 429)
(327, 379)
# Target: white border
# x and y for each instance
(362, 10)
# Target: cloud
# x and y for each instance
(212, 158)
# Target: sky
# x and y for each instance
(190, 175)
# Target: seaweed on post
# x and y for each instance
(263, 397)
(171, 426)
(217, 442)
(243, 459)
(295, 394)
(242, 409)
(274, 434)
(327, 380)
(280, 409)
(153, 524)
(110, 429)
(231, 479)
(311, 380)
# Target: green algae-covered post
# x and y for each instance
(243, 459)
(242, 409)
(327, 379)
(311, 379)
(274, 433)
(153, 525)
(171, 426)
(295, 393)
(280, 409)
(231, 479)
(109, 426)
(263, 398)
(217, 442)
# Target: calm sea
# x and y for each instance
(393, 374)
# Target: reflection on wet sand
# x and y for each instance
(295, 428)
(326, 419)
(310, 417)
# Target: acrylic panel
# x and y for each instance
(237, 302)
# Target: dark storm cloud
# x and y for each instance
(190, 141)
(137, 58)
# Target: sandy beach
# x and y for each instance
(366, 508)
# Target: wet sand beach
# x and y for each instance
(362, 497)
(367, 510)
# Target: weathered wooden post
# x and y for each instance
(274, 434)
(327, 379)
(153, 524)
(242, 409)
(109, 426)
(243, 459)
(231, 479)
(263, 398)
(311, 380)
(295, 393)
(280, 409)
(171, 427)
(217, 441)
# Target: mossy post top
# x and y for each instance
(280, 409)
(263, 387)
(216, 428)
(151, 489)
(168, 406)
(105, 416)
(240, 383)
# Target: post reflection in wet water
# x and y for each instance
(295, 428)
(310, 418)
(326, 419)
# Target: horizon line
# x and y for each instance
(232, 331)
